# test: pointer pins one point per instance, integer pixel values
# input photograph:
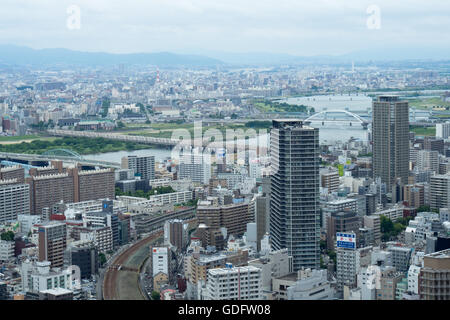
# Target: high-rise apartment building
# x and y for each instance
(294, 204)
(443, 130)
(14, 200)
(427, 160)
(94, 184)
(142, 166)
(176, 233)
(13, 172)
(440, 191)
(70, 186)
(347, 264)
(195, 167)
(47, 190)
(52, 242)
(390, 130)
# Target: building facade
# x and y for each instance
(390, 128)
(294, 203)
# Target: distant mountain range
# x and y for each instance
(364, 56)
(19, 55)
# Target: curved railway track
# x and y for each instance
(117, 265)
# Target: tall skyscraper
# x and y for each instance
(390, 126)
(294, 203)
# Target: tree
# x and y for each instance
(156, 295)
(424, 208)
(332, 256)
(7, 236)
(386, 224)
(102, 258)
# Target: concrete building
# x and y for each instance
(434, 276)
(56, 294)
(141, 166)
(440, 191)
(94, 184)
(389, 278)
(70, 186)
(311, 285)
(47, 190)
(197, 263)
(83, 254)
(347, 267)
(173, 197)
(433, 144)
(38, 276)
(427, 160)
(274, 265)
(14, 200)
(294, 204)
(161, 257)
(102, 237)
(400, 257)
(390, 130)
(334, 206)
(52, 242)
(176, 233)
(329, 179)
(6, 250)
(234, 283)
(414, 195)
(413, 279)
(373, 222)
(262, 215)
(195, 167)
(394, 213)
(233, 217)
(13, 172)
(344, 221)
(443, 130)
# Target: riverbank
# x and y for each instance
(81, 145)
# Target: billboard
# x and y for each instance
(346, 240)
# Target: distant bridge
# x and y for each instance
(323, 117)
(36, 160)
(65, 153)
(165, 142)
(114, 136)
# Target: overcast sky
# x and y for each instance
(296, 27)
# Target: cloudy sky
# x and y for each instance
(194, 26)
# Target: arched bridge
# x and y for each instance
(63, 153)
(323, 117)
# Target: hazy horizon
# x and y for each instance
(297, 28)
